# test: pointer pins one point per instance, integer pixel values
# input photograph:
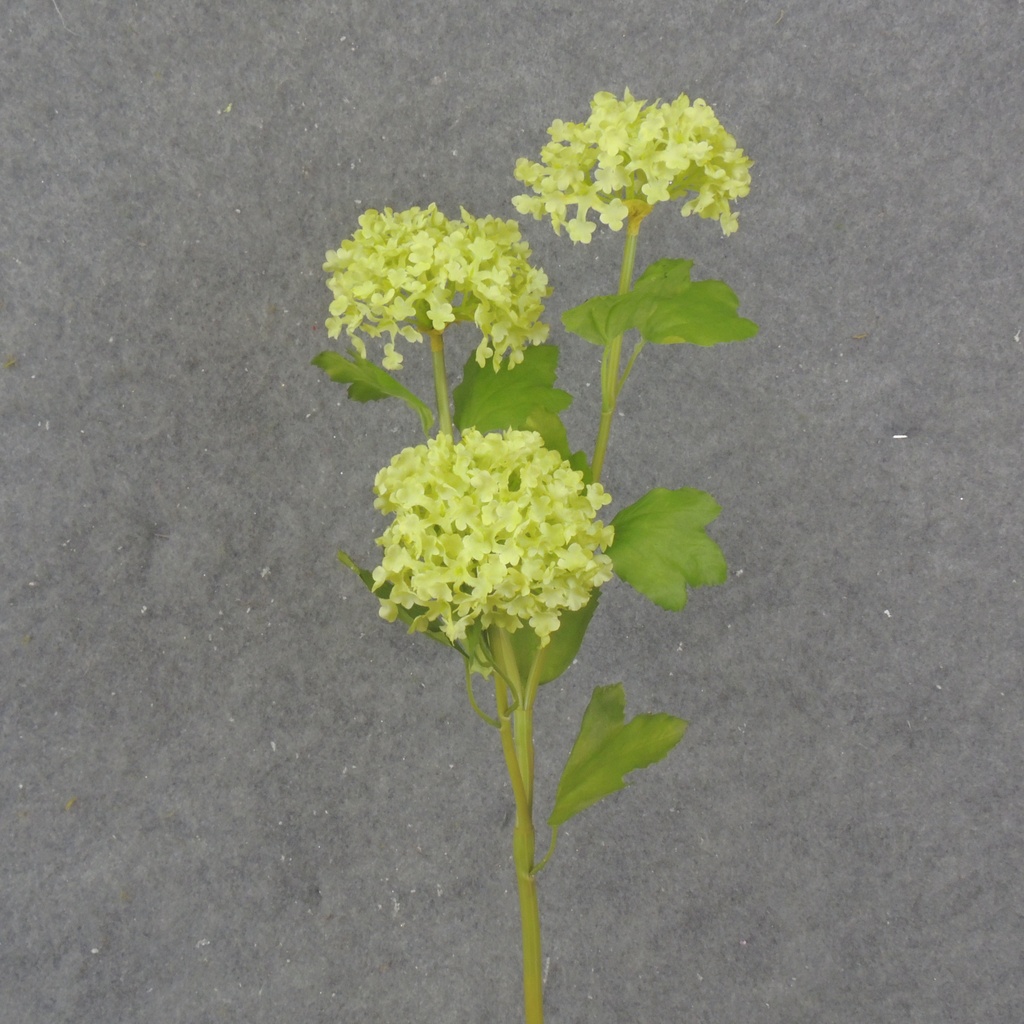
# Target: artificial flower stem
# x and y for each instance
(517, 746)
(444, 413)
(613, 354)
(529, 914)
(522, 714)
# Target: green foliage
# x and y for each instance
(666, 307)
(661, 546)
(563, 644)
(369, 383)
(519, 397)
(608, 748)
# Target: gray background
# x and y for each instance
(228, 792)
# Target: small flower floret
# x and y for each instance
(492, 528)
(407, 273)
(626, 157)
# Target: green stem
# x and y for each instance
(613, 353)
(444, 413)
(522, 714)
(517, 746)
(529, 914)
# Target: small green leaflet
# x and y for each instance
(666, 307)
(608, 748)
(661, 546)
(369, 383)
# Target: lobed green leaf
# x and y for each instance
(520, 397)
(666, 307)
(661, 546)
(601, 319)
(609, 748)
(503, 399)
(673, 309)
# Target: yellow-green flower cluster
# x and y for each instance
(493, 528)
(631, 155)
(403, 274)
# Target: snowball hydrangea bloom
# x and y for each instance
(405, 273)
(628, 156)
(492, 528)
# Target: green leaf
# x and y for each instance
(666, 307)
(563, 645)
(551, 429)
(406, 615)
(608, 748)
(520, 397)
(601, 319)
(661, 547)
(505, 399)
(674, 309)
(369, 383)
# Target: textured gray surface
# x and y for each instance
(229, 793)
